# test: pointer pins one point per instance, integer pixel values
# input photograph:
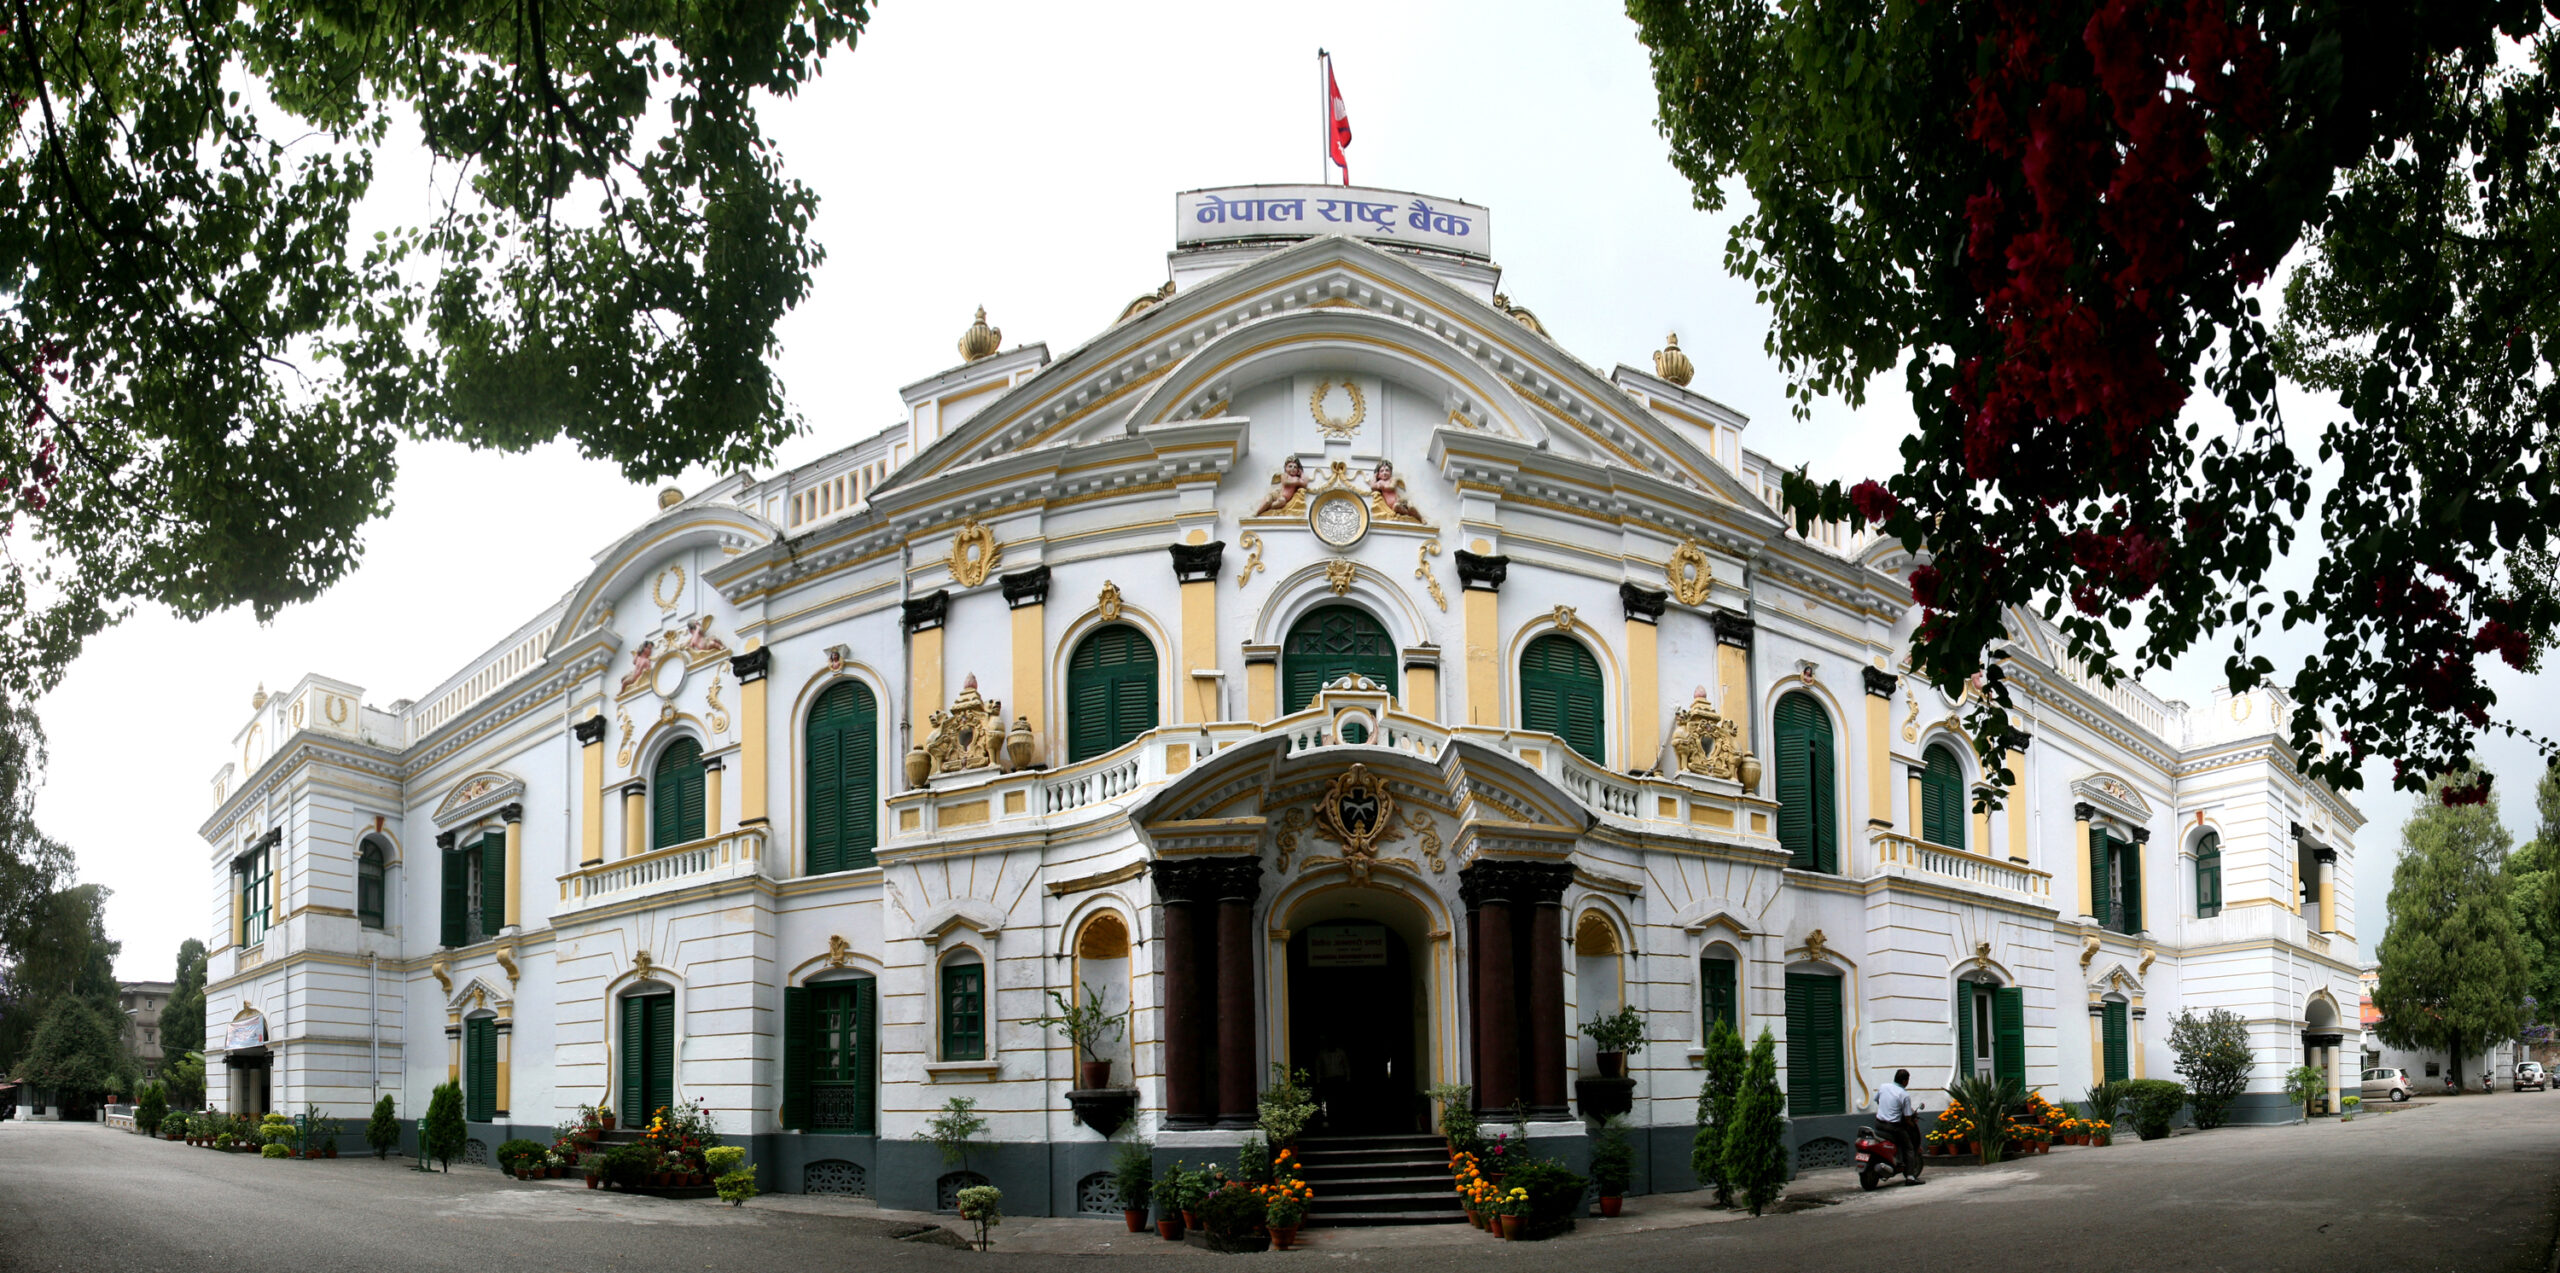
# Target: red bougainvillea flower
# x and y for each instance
(1872, 501)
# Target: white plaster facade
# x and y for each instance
(1163, 432)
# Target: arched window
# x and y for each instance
(1102, 971)
(1941, 797)
(676, 786)
(1561, 693)
(1599, 980)
(1719, 991)
(964, 1007)
(369, 884)
(1330, 642)
(1808, 815)
(2209, 875)
(1111, 690)
(844, 778)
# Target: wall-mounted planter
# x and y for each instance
(1103, 1109)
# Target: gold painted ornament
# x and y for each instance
(974, 552)
(1358, 812)
(1689, 573)
(1342, 426)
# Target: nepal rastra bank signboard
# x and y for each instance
(1202, 217)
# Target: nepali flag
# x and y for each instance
(1338, 123)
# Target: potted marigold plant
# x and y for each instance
(1285, 1208)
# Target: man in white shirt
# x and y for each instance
(1899, 1120)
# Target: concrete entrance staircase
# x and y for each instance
(1369, 1180)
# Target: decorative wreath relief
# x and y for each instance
(1343, 427)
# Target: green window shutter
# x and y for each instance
(2009, 1034)
(2129, 856)
(675, 786)
(1561, 692)
(1717, 986)
(1792, 727)
(1333, 641)
(1964, 1028)
(1942, 799)
(662, 1052)
(369, 887)
(1826, 804)
(456, 896)
(493, 882)
(635, 1062)
(844, 779)
(1817, 1081)
(866, 1050)
(1111, 690)
(2209, 876)
(799, 1055)
(826, 798)
(480, 1068)
(2114, 1022)
(2101, 863)
(964, 1028)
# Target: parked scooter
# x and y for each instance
(1878, 1158)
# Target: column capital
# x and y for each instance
(1644, 605)
(1504, 880)
(714, 764)
(926, 613)
(2324, 855)
(1733, 629)
(511, 813)
(636, 787)
(1198, 563)
(1261, 654)
(2297, 831)
(1207, 879)
(2083, 811)
(750, 666)
(2018, 740)
(444, 841)
(1880, 683)
(1481, 572)
(589, 732)
(1025, 587)
(2142, 835)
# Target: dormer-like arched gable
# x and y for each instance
(633, 559)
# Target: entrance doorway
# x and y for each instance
(1357, 1020)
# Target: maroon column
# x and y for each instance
(1546, 1007)
(1184, 1102)
(1238, 883)
(1497, 1010)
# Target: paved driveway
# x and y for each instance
(2459, 1184)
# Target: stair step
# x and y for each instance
(1322, 1168)
(1385, 1184)
(1357, 1219)
(1326, 1144)
(1441, 1200)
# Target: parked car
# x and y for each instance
(2390, 1081)
(2530, 1078)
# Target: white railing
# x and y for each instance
(724, 856)
(512, 663)
(1903, 856)
(1065, 792)
(820, 496)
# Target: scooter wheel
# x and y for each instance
(1867, 1180)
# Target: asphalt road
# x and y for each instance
(2464, 1184)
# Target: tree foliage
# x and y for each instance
(1755, 1146)
(182, 1016)
(2454, 964)
(2058, 220)
(442, 1133)
(1718, 1092)
(204, 367)
(2214, 1058)
(2532, 876)
(67, 955)
(184, 1074)
(77, 1053)
(32, 864)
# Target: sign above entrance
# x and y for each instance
(1347, 946)
(247, 1033)
(1388, 216)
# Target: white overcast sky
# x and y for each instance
(1022, 157)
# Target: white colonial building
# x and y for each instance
(1319, 660)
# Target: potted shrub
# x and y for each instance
(1612, 1164)
(592, 1167)
(1618, 1036)
(736, 1186)
(1231, 1219)
(982, 1205)
(1989, 1102)
(1133, 1170)
(1084, 1024)
(519, 1158)
(1168, 1200)
(1457, 1115)
(1551, 1193)
(1511, 1208)
(2351, 1103)
(382, 1131)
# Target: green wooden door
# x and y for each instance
(675, 788)
(844, 779)
(2112, 1030)
(480, 1069)
(830, 1041)
(648, 1056)
(1817, 1081)
(1942, 799)
(1808, 816)
(1718, 984)
(1561, 693)
(2009, 1034)
(1111, 690)
(1333, 641)
(2208, 876)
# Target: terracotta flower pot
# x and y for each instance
(594, 1182)
(1136, 1219)
(1282, 1236)
(1189, 1221)
(329, 1151)
(1609, 1206)
(1169, 1230)
(1096, 1075)
(1511, 1228)
(1613, 1064)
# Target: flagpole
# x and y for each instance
(1324, 132)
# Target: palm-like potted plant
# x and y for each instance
(1992, 1104)
(1617, 1036)
(1084, 1024)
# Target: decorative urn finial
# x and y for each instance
(980, 340)
(669, 498)
(1672, 365)
(258, 701)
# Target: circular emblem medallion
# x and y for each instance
(669, 676)
(1338, 517)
